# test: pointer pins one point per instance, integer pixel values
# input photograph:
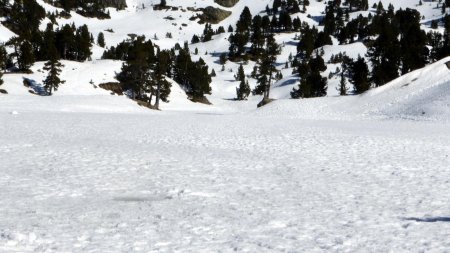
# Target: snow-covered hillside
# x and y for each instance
(85, 170)
(140, 18)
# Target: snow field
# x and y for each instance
(194, 182)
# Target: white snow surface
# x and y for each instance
(87, 171)
(210, 182)
(97, 173)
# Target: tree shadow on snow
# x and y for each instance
(35, 87)
(429, 219)
(286, 83)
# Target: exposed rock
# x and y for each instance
(145, 104)
(447, 64)
(202, 100)
(115, 88)
(227, 3)
(214, 15)
(265, 101)
(3, 91)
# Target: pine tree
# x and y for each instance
(385, 52)
(243, 90)
(199, 80)
(135, 73)
(53, 66)
(160, 85)
(359, 75)
(26, 56)
(3, 58)
(312, 84)
(413, 40)
(239, 40)
(342, 85)
(266, 68)
(101, 39)
(83, 42)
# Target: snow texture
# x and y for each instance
(87, 171)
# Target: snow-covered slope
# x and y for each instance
(202, 182)
(421, 94)
(86, 171)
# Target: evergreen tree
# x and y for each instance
(83, 42)
(3, 58)
(342, 85)
(160, 85)
(199, 80)
(266, 68)
(359, 75)
(135, 73)
(243, 90)
(413, 40)
(312, 84)
(239, 40)
(101, 39)
(385, 52)
(307, 42)
(257, 38)
(53, 66)
(26, 56)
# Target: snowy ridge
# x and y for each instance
(420, 95)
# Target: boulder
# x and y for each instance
(214, 15)
(227, 3)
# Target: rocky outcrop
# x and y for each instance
(119, 4)
(214, 15)
(227, 3)
(115, 88)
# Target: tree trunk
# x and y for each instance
(268, 86)
(158, 94)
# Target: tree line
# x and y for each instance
(146, 70)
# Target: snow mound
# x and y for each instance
(423, 94)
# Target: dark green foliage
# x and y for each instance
(53, 66)
(258, 37)
(385, 52)
(243, 90)
(87, 8)
(135, 74)
(359, 75)
(307, 42)
(239, 39)
(312, 84)
(207, 33)
(192, 76)
(357, 5)
(26, 56)
(3, 59)
(160, 87)
(101, 39)
(266, 69)
(342, 85)
(24, 17)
